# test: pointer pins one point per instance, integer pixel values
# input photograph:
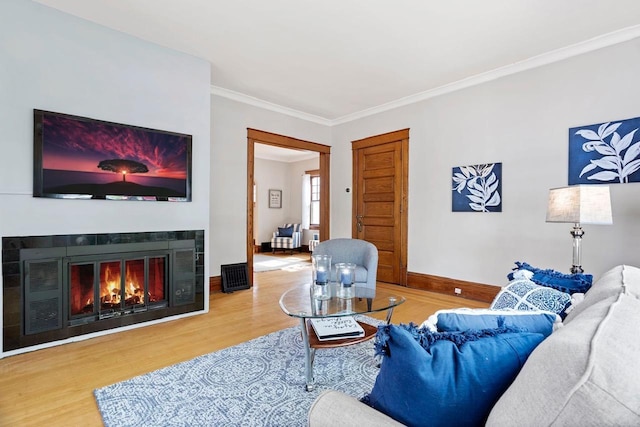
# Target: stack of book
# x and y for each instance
(336, 328)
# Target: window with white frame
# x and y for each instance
(314, 212)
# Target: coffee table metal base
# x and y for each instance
(309, 355)
(311, 343)
(300, 302)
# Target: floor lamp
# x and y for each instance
(579, 204)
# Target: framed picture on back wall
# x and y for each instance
(275, 198)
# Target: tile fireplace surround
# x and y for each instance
(53, 285)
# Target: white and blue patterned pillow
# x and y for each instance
(525, 295)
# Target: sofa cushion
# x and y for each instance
(451, 376)
(522, 294)
(285, 232)
(585, 373)
(337, 409)
(569, 283)
(608, 285)
(462, 319)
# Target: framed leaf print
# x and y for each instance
(477, 188)
(605, 153)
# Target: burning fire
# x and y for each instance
(110, 287)
(115, 293)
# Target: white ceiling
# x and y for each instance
(332, 60)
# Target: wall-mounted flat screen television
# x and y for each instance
(82, 158)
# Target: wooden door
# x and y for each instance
(380, 182)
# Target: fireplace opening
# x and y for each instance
(106, 288)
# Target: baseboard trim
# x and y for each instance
(447, 286)
(425, 282)
(215, 284)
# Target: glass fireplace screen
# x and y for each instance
(112, 286)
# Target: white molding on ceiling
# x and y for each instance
(595, 43)
(257, 102)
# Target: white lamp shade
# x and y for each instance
(585, 204)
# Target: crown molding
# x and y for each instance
(257, 102)
(595, 43)
(590, 45)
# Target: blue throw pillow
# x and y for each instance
(525, 295)
(462, 320)
(569, 283)
(285, 232)
(443, 379)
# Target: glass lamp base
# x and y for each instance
(577, 234)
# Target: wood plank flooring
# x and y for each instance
(54, 386)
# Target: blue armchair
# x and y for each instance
(288, 237)
(359, 252)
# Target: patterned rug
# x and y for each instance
(257, 383)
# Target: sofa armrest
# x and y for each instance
(335, 409)
(297, 238)
(371, 264)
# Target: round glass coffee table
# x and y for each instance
(299, 302)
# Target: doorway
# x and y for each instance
(260, 137)
(380, 196)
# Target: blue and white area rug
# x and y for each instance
(257, 383)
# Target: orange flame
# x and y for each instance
(110, 291)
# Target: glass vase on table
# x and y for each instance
(345, 276)
(321, 272)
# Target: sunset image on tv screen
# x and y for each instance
(86, 157)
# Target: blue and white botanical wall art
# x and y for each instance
(604, 153)
(477, 188)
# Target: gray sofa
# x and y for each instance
(587, 373)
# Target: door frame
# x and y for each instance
(261, 137)
(385, 138)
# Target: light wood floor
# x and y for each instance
(54, 386)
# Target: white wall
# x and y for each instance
(270, 175)
(230, 120)
(53, 61)
(285, 176)
(522, 121)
